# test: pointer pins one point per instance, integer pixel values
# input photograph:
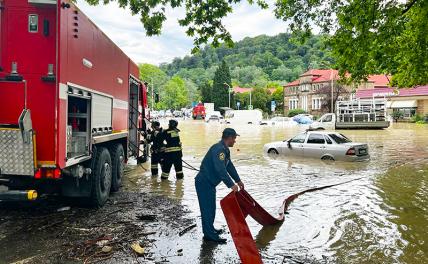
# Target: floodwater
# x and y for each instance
(380, 218)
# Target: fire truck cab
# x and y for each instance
(71, 104)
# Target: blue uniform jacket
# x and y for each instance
(217, 166)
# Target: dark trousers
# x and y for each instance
(156, 160)
(172, 158)
(206, 197)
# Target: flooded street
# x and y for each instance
(380, 218)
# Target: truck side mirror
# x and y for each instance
(156, 98)
(289, 143)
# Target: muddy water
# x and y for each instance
(380, 218)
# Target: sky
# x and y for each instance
(128, 32)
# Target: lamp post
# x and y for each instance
(228, 89)
(250, 98)
(332, 93)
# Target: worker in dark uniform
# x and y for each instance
(216, 167)
(173, 151)
(157, 149)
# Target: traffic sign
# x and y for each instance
(250, 107)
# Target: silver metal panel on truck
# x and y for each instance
(16, 156)
(101, 111)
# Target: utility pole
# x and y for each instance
(153, 94)
(332, 93)
(228, 89)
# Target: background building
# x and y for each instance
(408, 101)
(315, 90)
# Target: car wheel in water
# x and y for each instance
(273, 152)
(327, 158)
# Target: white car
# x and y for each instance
(277, 120)
(323, 145)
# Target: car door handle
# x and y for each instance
(323, 147)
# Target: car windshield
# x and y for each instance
(339, 138)
(299, 138)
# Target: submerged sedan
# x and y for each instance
(321, 145)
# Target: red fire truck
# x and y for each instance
(198, 111)
(71, 104)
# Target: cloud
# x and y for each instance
(128, 32)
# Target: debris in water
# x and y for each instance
(187, 229)
(145, 217)
(106, 249)
(62, 209)
(137, 248)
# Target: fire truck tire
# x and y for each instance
(101, 180)
(118, 166)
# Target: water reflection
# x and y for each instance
(381, 218)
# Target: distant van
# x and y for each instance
(244, 116)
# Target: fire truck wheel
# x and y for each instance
(118, 162)
(101, 180)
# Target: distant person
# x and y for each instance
(173, 151)
(216, 167)
(158, 147)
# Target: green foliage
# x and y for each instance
(206, 92)
(176, 94)
(368, 36)
(417, 118)
(255, 61)
(295, 112)
(193, 94)
(397, 115)
(260, 99)
(278, 97)
(221, 84)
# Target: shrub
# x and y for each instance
(416, 118)
(295, 112)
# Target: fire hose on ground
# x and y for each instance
(237, 206)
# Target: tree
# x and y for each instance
(339, 92)
(155, 77)
(368, 36)
(278, 97)
(260, 99)
(176, 95)
(206, 92)
(193, 93)
(221, 84)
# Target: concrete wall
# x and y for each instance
(422, 107)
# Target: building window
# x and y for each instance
(316, 103)
(293, 104)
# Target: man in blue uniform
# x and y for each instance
(216, 167)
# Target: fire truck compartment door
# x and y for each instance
(101, 111)
(16, 156)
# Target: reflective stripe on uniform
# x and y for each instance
(173, 133)
(164, 174)
(154, 166)
(172, 149)
(179, 172)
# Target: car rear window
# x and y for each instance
(316, 139)
(339, 138)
